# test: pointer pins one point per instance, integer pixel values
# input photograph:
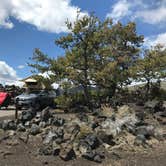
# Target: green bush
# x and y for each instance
(71, 101)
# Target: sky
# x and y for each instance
(29, 24)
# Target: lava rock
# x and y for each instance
(67, 153)
(92, 141)
(50, 137)
(83, 117)
(42, 124)
(94, 156)
(108, 139)
(28, 124)
(46, 114)
(151, 105)
(20, 127)
(147, 131)
(72, 128)
(140, 140)
(46, 150)
(35, 129)
(58, 121)
(24, 137)
(56, 149)
(84, 147)
(8, 125)
(27, 115)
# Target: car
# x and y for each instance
(37, 99)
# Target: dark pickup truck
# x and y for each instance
(38, 99)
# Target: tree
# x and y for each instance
(152, 67)
(96, 54)
(119, 52)
(81, 45)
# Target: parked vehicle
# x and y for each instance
(38, 99)
(5, 99)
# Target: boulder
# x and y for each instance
(21, 127)
(83, 147)
(35, 129)
(83, 117)
(94, 155)
(8, 125)
(151, 105)
(27, 115)
(58, 121)
(50, 137)
(42, 124)
(140, 140)
(147, 131)
(108, 139)
(46, 150)
(24, 137)
(46, 114)
(72, 128)
(92, 141)
(67, 152)
(164, 105)
(56, 149)
(28, 124)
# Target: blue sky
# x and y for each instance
(29, 24)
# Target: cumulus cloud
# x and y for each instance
(153, 16)
(8, 74)
(46, 15)
(119, 10)
(156, 39)
(149, 11)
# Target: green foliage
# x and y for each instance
(152, 67)
(101, 54)
(75, 102)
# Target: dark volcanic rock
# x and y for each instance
(92, 141)
(8, 125)
(58, 121)
(20, 127)
(56, 149)
(35, 129)
(27, 115)
(67, 153)
(105, 138)
(46, 150)
(140, 140)
(46, 114)
(72, 128)
(50, 137)
(147, 131)
(93, 155)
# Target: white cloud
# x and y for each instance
(149, 11)
(46, 15)
(156, 39)
(119, 10)
(8, 74)
(20, 66)
(153, 16)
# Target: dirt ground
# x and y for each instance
(15, 152)
(18, 153)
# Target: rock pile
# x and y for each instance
(86, 135)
